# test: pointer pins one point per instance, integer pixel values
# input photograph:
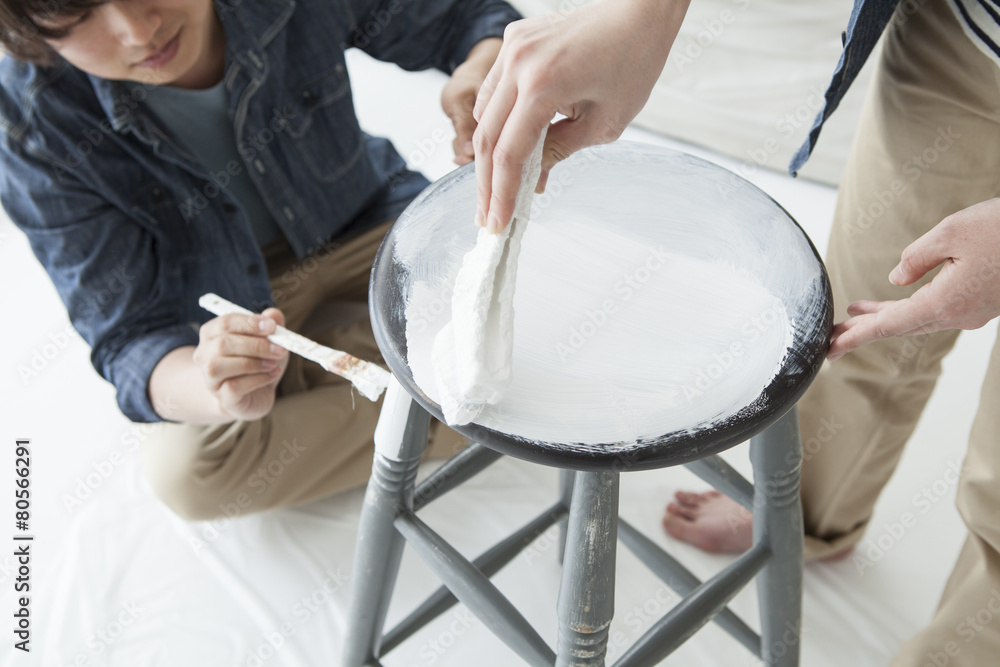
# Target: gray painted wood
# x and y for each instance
(566, 478)
(463, 466)
(587, 592)
(380, 547)
(683, 582)
(776, 455)
(475, 591)
(489, 563)
(694, 611)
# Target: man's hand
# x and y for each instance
(459, 95)
(965, 294)
(240, 366)
(595, 65)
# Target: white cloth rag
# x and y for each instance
(472, 353)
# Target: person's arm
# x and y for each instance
(108, 270)
(965, 294)
(596, 66)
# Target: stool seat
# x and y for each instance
(665, 310)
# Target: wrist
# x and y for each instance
(482, 56)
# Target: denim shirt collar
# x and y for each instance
(249, 26)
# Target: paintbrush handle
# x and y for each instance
(369, 379)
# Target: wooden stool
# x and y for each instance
(756, 309)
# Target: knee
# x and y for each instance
(175, 474)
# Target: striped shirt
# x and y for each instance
(981, 21)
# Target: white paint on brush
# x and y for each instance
(367, 378)
(649, 299)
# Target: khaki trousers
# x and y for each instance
(928, 145)
(317, 439)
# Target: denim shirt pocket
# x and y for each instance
(323, 126)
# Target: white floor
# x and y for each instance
(116, 580)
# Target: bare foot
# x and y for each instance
(710, 521)
(716, 523)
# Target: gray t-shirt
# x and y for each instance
(199, 119)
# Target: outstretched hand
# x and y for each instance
(965, 294)
(595, 65)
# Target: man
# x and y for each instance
(156, 150)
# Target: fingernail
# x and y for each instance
(494, 224)
(480, 218)
(268, 363)
(895, 275)
(262, 324)
(275, 349)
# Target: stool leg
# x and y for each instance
(566, 498)
(587, 591)
(776, 455)
(400, 441)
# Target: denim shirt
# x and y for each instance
(131, 228)
(868, 20)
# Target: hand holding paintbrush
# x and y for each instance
(369, 379)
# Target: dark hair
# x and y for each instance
(26, 24)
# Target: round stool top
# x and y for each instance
(665, 309)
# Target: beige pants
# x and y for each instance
(317, 440)
(928, 146)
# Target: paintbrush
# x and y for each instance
(369, 379)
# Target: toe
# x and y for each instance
(682, 511)
(677, 527)
(687, 498)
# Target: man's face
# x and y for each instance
(175, 42)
